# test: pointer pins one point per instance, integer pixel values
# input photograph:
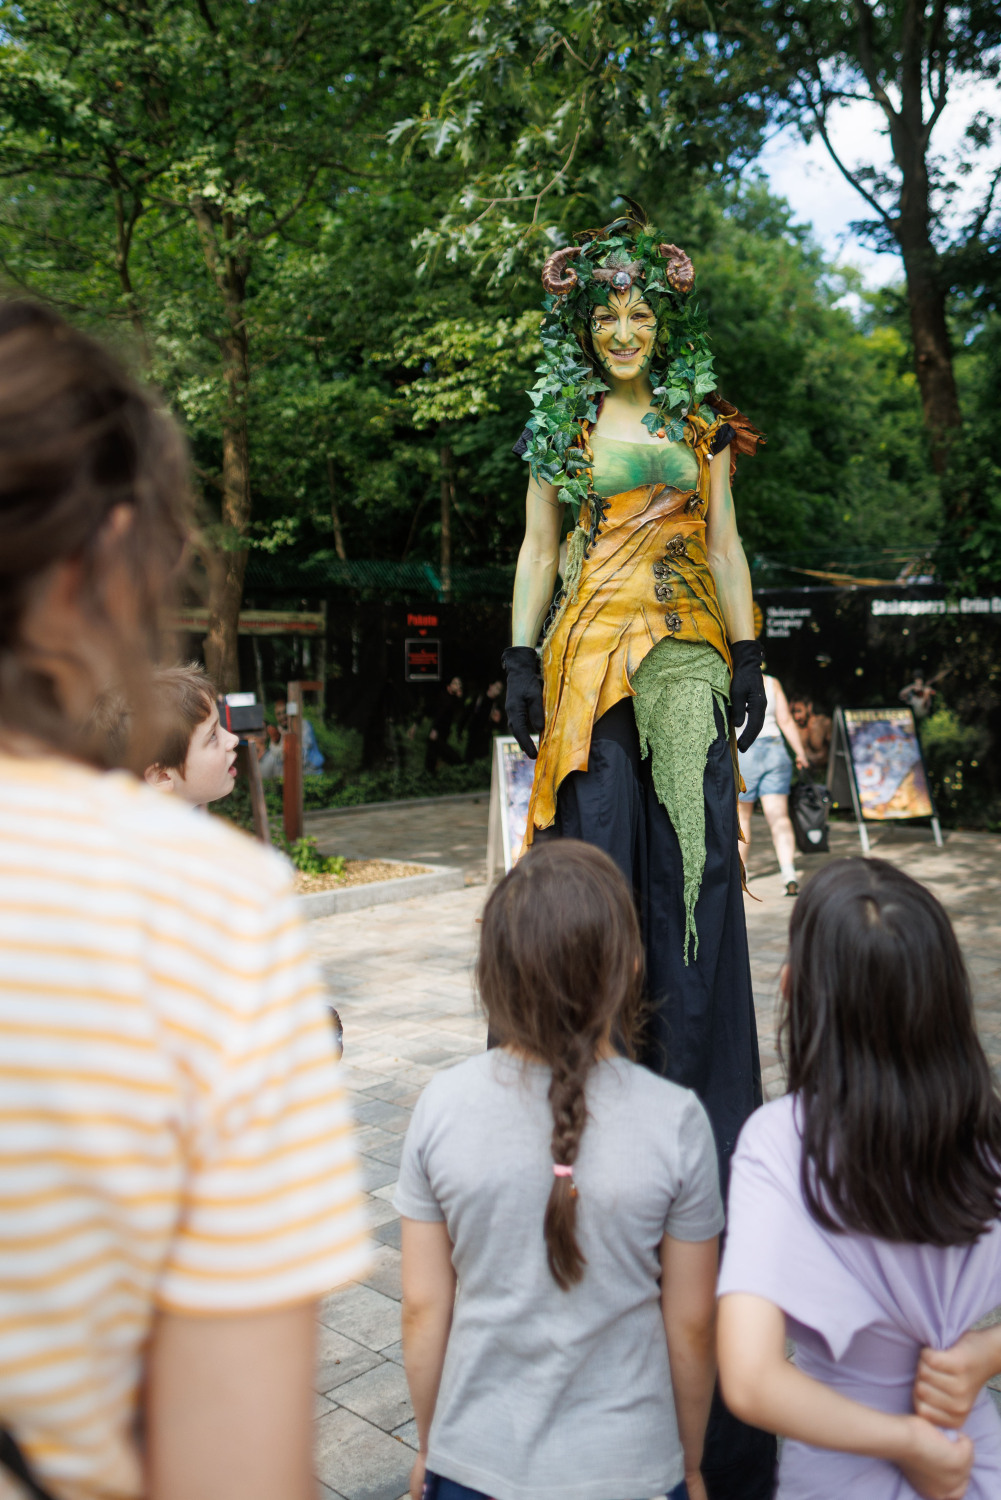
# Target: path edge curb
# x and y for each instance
(380, 892)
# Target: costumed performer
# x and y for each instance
(648, 656)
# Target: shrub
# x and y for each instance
(955, 755)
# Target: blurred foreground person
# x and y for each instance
(560, 1210)
(177, 1184)
(864, 1218)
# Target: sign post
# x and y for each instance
(292, 759)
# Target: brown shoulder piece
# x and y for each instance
(745, 436)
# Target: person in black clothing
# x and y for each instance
(485, 720)
(448, 705)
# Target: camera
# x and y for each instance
(241, 713)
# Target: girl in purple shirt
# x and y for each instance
(864, 1210)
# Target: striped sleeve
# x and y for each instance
(273, 1210)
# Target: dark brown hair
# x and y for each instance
(183, 697)
(78, 437)
(900, 1121)
(561, 965)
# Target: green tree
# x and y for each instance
(907, 58)
(160, 155)
(553, 106)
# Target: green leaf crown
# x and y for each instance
(565, 395)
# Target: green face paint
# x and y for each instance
(623, 334)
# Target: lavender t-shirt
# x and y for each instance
(858, 1309)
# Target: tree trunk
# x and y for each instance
(335, 514)
(229, 564)
(125, 223)
(226, 569)
(926, 299)
(926, 290)
(447, 497)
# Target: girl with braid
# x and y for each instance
(560, 1210)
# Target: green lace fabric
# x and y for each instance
(675, 686)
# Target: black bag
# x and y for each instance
(14, 1461)
(808, 808)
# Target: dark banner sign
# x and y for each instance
(423, 660)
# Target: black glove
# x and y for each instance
(747, 691)
(526, 712)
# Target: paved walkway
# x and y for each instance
(448, 831)
(401, 978)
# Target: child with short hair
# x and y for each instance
(196, 758)
(560, 1209)
(864, 1214)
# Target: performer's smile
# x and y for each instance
(623, 333)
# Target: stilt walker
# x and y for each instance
(648, 663)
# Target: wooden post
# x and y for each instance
(292, 816)
(258, 806)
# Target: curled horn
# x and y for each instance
(553, 278)
(680, 271)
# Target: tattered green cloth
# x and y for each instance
(675, 686)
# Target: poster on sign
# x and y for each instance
(510, 790)
(876, 765)
(886, 758)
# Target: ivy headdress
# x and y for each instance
(579, 278)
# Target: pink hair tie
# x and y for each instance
(559, 1171)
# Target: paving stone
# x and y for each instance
(384, 1276)
(369, 1138)
(389, 1233)
(364, 1315)
(380, 1396)
(408, 1434)
(379, 1211)
(377, 1174)
(339, 1359)
(389, 1091)
(363, 1462)
(378, 1112)
(390, 1153)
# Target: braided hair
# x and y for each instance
(560, 968)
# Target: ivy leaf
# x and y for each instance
(676, 431)
(704, 383)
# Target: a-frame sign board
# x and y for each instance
(875, 766)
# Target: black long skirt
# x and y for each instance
(701, 1029)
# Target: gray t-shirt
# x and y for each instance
(551, 1395)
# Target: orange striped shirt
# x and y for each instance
(172, 1133)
